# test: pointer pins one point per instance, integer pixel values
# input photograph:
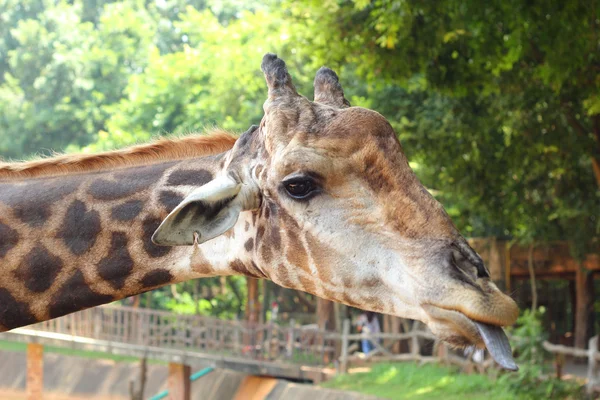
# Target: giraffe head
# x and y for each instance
(337, 212)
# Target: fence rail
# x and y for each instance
(144, 327)
(591, 353)
(271, 342)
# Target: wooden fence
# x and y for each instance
(304, 345)
(271, 342)
(591, 353)
(144, 327)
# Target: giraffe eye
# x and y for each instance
(300, 188)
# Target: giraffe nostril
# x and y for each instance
(469, 263)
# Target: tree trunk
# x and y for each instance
(583, 305)
(325, 314)
(253, 304)
(534, 297)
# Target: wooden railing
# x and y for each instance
(275, 343)
(155, 328)
(591, 353)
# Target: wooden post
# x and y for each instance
(344, 356)
(592, 364)
(325, 314)
(179, 382)
(414, 341)
(582, 307)
(35, 371)
(497, 261)
(253, 305)
(291, 340)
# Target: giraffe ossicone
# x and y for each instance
(319, 197)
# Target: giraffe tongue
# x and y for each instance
(497, 344)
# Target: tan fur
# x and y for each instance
(215, 142)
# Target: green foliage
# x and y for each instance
(411, 381)
(496, 102)
(534, 380)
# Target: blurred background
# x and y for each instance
(497, 105)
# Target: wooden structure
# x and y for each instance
(593, 357)
(291, 352)
(235, 340)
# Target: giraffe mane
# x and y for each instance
(163, 149)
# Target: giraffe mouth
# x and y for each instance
(497, 344)
(456, 328)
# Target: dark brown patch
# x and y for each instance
(266, 253)
(238, 267)
(80, 228)
(127, 211)
(283, 276)
(275, 236)
(128, 181)
(8, 239)
(189, 177)
(247, 226)
(307, 284)
(376, 176)
(259, 233)
(13, 313)
(372, 303)
(76, 295)
(322, 255)
(288, 220)
(329, 294)
(295, 251)
(31, 202)
(157, 277)
(117, 265)
(249, 245)
(39, 269)
(371, 283)
(257, 271)
(169, 199)
(349, 300)
(149, 226)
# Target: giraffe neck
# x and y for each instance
(71, 242)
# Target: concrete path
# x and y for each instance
(75, 378)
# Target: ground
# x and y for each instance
(411, 381)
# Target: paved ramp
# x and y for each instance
(67, 377)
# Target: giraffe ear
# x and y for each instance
(204, 214)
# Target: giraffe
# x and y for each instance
(319, 197)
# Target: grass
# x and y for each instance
(6, 345)
(411, 381)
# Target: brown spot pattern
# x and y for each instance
(249, 245)
(189, 177)
(13, 313)
(80, 228)
(238, 267)
(157, 277)
(8, 239)
(149, 226)
(39, 269)
(127, 211)
(31, 202)
(117, 265)
(169, 199)
(128, 182)
(75, 295)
